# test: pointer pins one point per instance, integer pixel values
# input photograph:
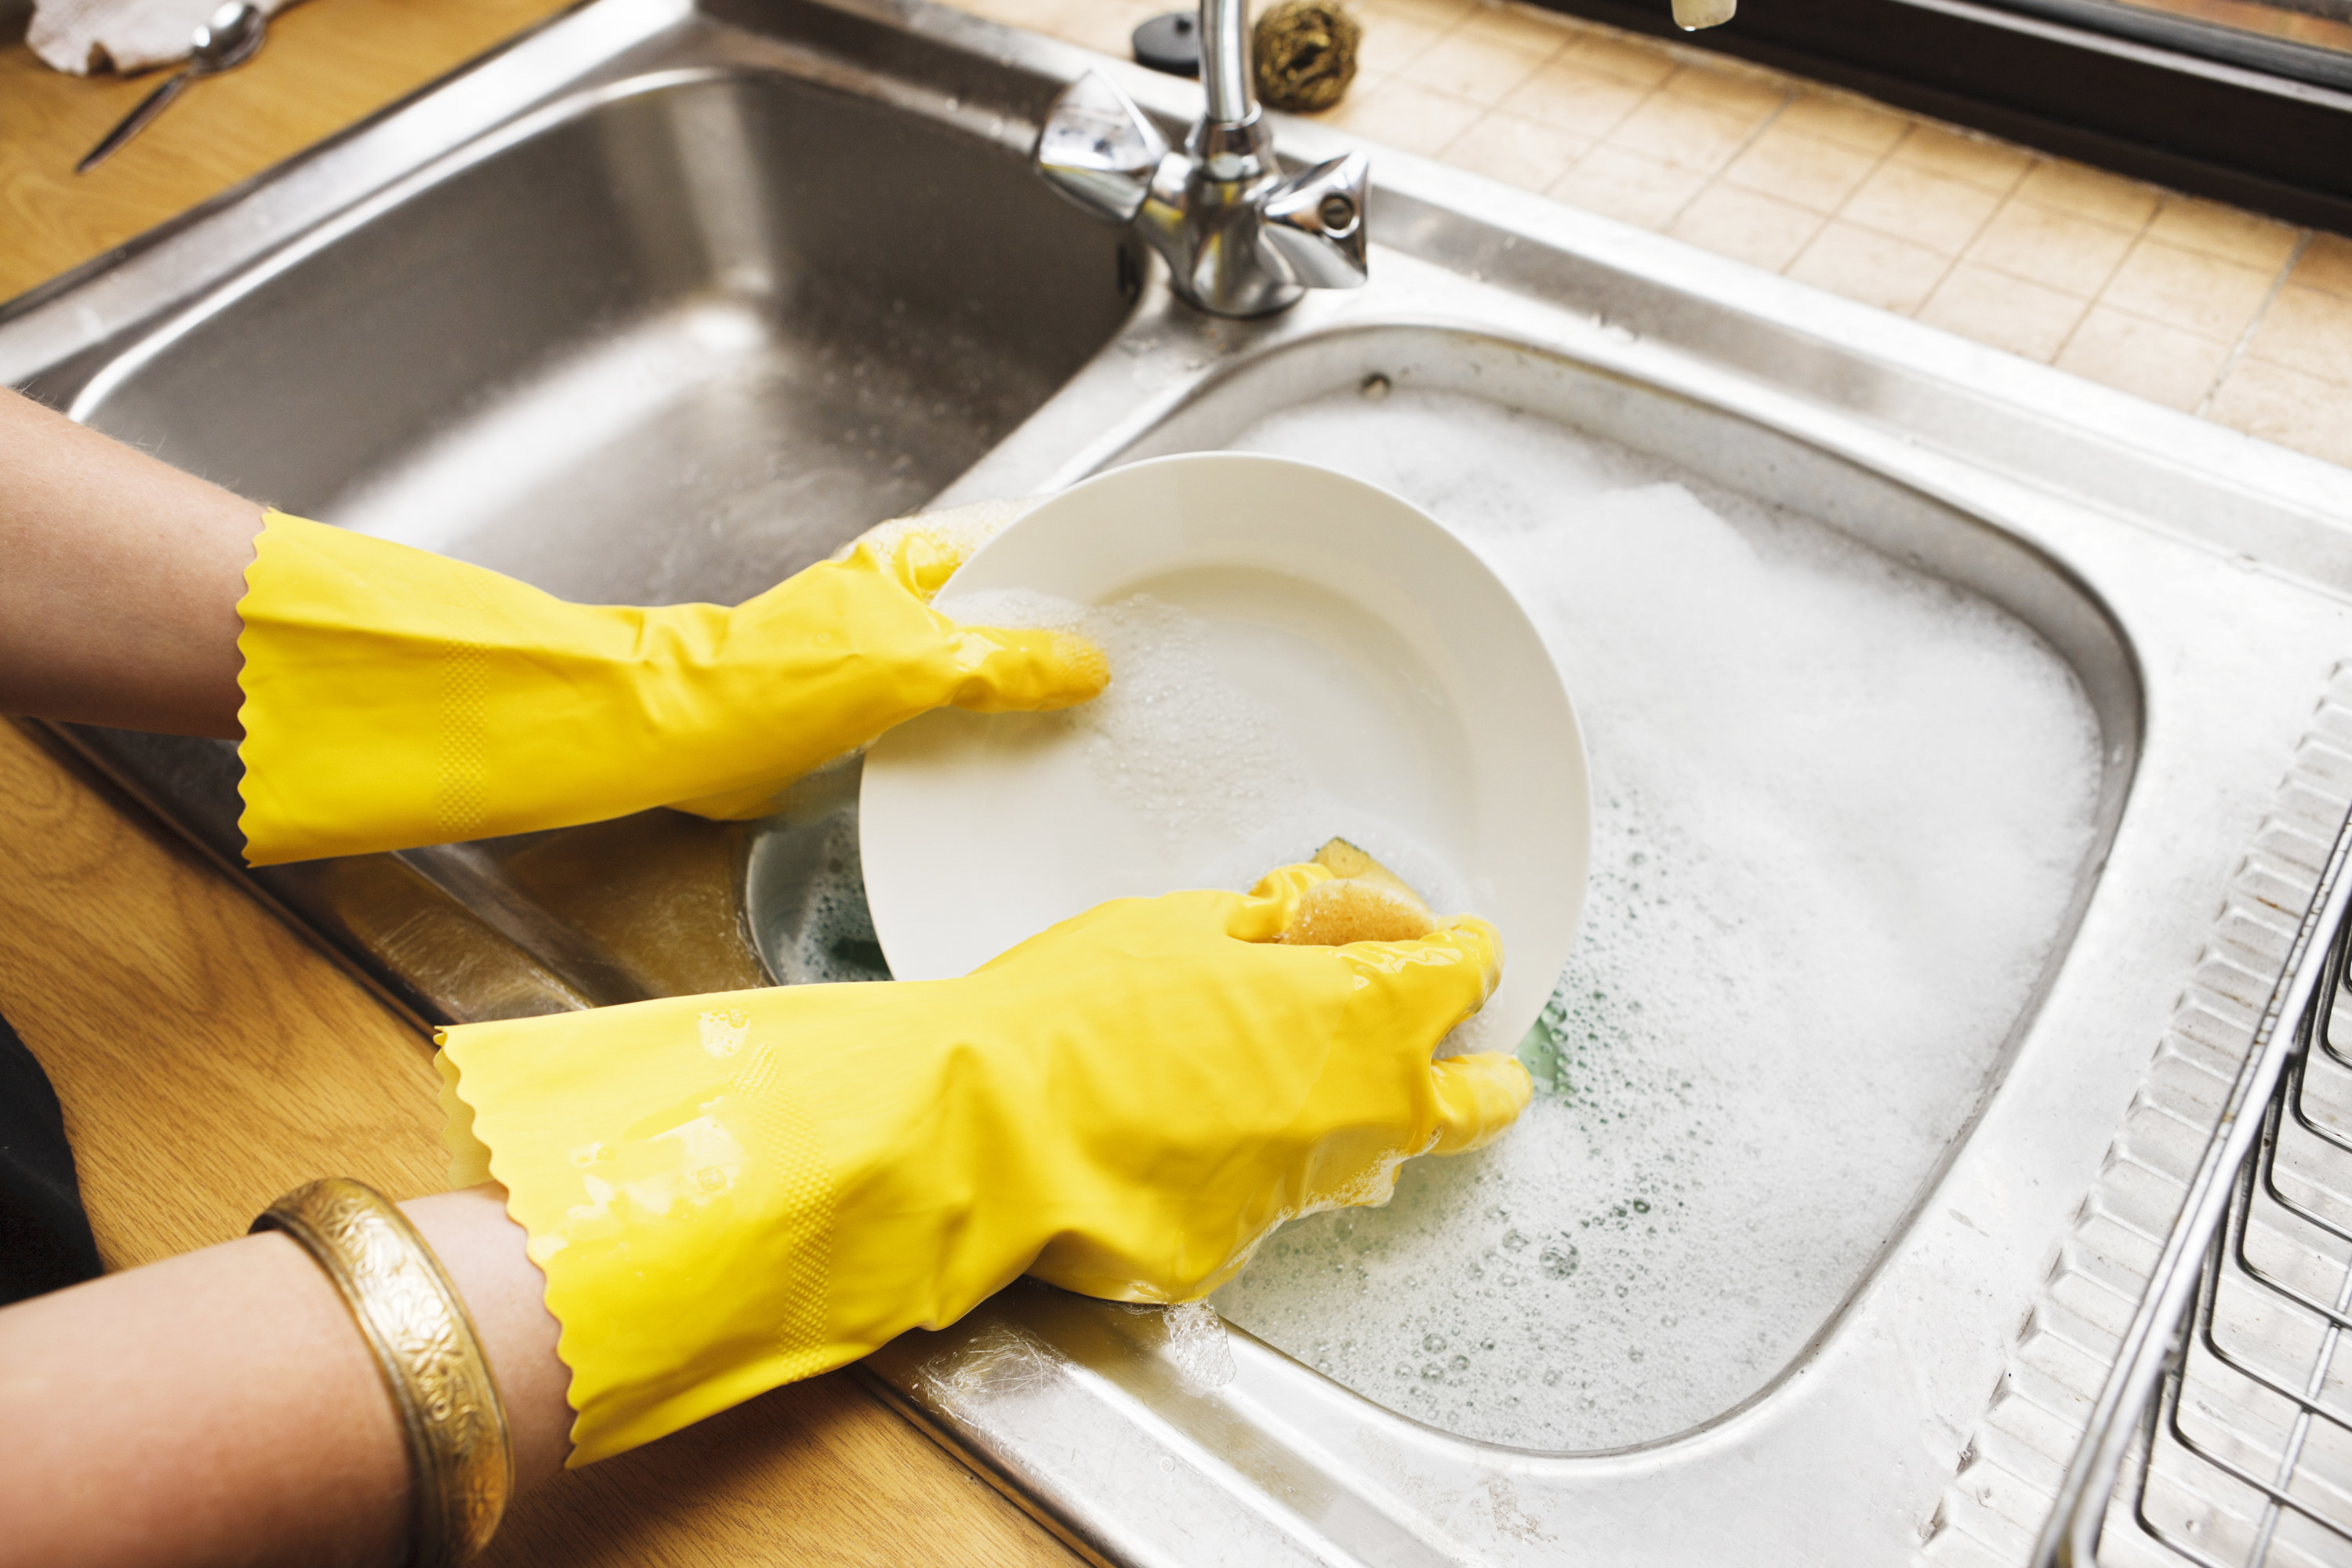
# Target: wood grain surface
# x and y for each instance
(325, 64)
(208, 1058)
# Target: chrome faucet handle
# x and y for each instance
(1098, 148)
(1240, 239)
(1313, 224)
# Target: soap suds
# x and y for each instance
(1840, 808)
(1201, 762)
(1194, 757)
(1196, 1342)
(828, 936)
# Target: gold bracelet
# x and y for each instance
(461, 1464)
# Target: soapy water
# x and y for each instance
(1840, 808)
(1196, 758)
(835, 940)
(1193, 758)
(808, 907)
(1187, 754)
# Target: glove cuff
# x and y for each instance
(686, 1257)
(734, 1191)
(381, 709)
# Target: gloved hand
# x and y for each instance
(394, 698)
(729, 1192)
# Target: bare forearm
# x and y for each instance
(119, 581)
(222, 1407)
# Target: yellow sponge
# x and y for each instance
(1363, 901)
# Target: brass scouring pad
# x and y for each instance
(1306, 53)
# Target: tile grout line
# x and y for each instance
(1648, 94)
(2254, 324)
(1786, 97)
(2139, 237)
(1489, 112)
(1601, 142)
(2017, 198)
(1837, 213)
(1403, 66)
(1485, 111)
(1953, 263)
(1422, 53)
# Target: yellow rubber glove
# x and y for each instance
(394, 698)
(729, 1193)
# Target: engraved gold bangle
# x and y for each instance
(461, 1464)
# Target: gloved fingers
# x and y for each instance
(1442, 978)
(1005, 670)
(1477, 940)
(1477, 1097)
(1273, 904)
(1147, 919)
(924, 552)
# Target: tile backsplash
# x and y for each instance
(2231, 316)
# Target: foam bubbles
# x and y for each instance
(1199, 761)
(1840, 808)
(813, 922)
(1192, 756)
(959, 530)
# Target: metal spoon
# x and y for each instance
(227, 40)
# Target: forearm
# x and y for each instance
(222, 1406)
(119, 581)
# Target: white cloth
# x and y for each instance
(84, 37)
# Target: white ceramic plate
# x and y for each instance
(1338, 664)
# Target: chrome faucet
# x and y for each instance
(1240, 237)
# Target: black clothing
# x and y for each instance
(44, 1241)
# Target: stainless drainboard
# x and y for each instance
(2223, 1438)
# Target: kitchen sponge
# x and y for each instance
(1363, 901)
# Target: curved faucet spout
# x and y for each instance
(1240, 239)
(1225, 62)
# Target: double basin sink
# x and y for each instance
(666, 300)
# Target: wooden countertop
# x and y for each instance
(207, 1056)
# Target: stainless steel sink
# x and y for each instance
(670, 333)
(672, 340)
(666, 300)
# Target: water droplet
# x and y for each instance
(1433, 1342)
